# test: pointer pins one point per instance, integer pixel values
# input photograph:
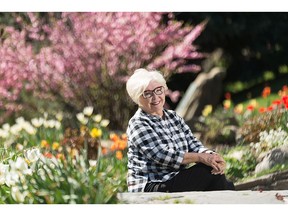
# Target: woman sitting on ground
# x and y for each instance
(161, 146)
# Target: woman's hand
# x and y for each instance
(215, 161)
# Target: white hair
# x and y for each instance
(139, 81)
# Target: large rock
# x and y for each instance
(274, 157)
(206, 89)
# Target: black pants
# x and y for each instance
(195, 178)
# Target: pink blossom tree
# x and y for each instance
(85, 58)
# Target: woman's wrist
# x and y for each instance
(191, 157)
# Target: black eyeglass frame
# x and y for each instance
(154, 91)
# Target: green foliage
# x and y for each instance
(70, 180)
(239, 169)
(115, 171)
(216, 127)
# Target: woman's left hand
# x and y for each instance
(221, 168)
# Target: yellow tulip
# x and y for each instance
(207, 110)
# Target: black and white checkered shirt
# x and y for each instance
(156, 148)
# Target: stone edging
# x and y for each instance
(274, 181)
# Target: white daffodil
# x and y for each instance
(97, 118)
(59, 116)
(32, 155)
(15, 129)
(20, 120)
(11, 178)
(3, 133)
(81, 118)
(57, 124)
(45, 123)
(104, 122)
(51, 123)
(17, 195)
(21, 165)
(88, 111)
(6, 127)
(4, 168)
(29, 128)
(37, 122)
(92, 163)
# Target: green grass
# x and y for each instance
(262, 102)
(243, 91)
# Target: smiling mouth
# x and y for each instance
(155, 103)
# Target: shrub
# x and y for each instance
(254, 125)
(73, 60)
(217, 128)
(239, 167)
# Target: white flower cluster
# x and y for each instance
(20, 125)
(84, 116)
(8, 133)
(269, 140)
(15, 171)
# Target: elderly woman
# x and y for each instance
(161, 146)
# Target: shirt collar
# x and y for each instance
(156, 117)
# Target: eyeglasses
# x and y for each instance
(157, 91)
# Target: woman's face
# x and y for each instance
(153, 99)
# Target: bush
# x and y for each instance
(253, 126)
(217, 128)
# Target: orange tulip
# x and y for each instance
(60, 156)
(124, 137)
(104, 151)
(114, 137)
(277, 102)
(262, 109)
(250, 107)
(119, 155)
(266, 92)
(44, 144)
(270, 108)
(48, 155)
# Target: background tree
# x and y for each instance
(66, 61)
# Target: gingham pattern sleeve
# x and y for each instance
(194, 145)
(155, 147)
